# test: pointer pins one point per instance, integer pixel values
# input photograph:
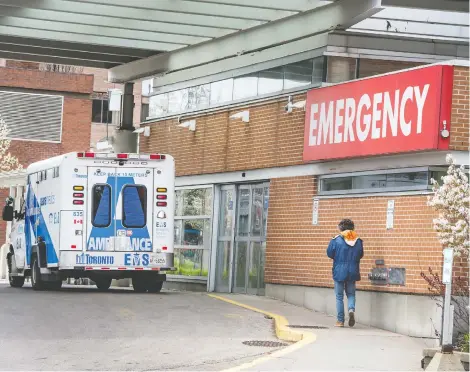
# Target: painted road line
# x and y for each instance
(283, 332)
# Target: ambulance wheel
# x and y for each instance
(154, 287)
(139, 285)
(103, 284)
(36, 281)
(16, 281)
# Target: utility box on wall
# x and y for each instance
(387, 276)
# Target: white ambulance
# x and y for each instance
(94, 215)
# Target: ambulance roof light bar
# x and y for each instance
(120, 156)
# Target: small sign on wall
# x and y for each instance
(315, 212)
(447, 267)
(390, 214)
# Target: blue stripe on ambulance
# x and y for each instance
(140, 239)
(34, 218)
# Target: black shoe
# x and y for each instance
(352, 321)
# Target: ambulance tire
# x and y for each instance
(139, 284)
(103, 284)
(16, 281)
(36, 281)
(154, 286)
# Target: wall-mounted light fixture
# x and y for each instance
(190, 124)
(291, 106)
(243, 115)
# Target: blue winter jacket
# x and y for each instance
(346, 255)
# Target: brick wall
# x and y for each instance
(44, 80)
(76, 126)
(272, 138)
(296, 250)
(460, 116)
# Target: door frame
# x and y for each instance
(216, 238)
(233, 239)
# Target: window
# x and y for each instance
(221, 91)
(134, 206)
(192, 236)
(379, 181)
(298, 74)
(144, 112)
(245, 86)
(99, 111)
(270, 81)
(294, 75)
(101, 206)
(178, 101)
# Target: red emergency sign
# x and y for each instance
(395, 113)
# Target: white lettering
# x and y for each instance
(350, 115)
(404, 125)
(420, 101)
(376, 115)
(312, 139)
(339, 121)
(372, 117)
(390, 113)
(363, 134)
(326, 124)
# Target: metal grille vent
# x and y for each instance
(33, 117)
(264, 343)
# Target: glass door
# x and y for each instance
(225, 239)
(250, 238)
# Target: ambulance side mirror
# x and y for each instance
(7, 214)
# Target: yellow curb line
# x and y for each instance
(283, 332)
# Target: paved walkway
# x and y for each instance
(334, 349)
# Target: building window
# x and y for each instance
(144, 112)
(101, 206)
(192, 235)
(396, 180)
(294, 75)
(99, 111)
(134, 206)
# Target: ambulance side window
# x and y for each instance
(101, 205)
(134, 206)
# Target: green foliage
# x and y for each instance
(464, 342)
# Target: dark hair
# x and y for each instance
(346, 225)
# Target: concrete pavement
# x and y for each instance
(79, 328)
(333, 349)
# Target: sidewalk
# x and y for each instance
(333, 349)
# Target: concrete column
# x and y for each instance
(127, 122)
(124, 138)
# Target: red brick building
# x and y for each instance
(266, 213)
(47, 113)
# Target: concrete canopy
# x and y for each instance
(139, 38)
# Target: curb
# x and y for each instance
(283, 332)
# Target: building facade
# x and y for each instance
(47, 113)
(261, 189)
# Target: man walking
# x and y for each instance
(346, 251)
